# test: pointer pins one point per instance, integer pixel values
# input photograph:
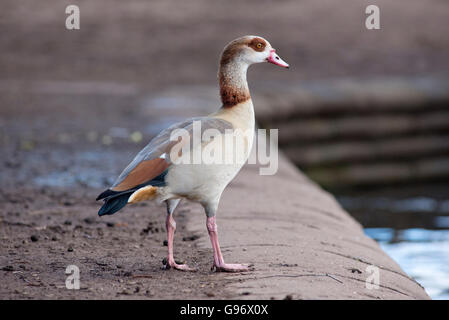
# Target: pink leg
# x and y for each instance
(171, 227)
(219, 263)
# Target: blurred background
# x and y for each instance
(362, 112)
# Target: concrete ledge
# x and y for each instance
(300, 240)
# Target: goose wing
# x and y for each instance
(153, 160)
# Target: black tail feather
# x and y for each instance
(115, 200)
(114, 203)
(106, 194)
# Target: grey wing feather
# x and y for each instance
(161, 143)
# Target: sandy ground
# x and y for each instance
(70, 101)
(118, 257)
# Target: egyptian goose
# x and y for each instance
(156, 172)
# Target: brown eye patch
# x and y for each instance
(257, 44)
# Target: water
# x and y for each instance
(414, 231)
(422, 253)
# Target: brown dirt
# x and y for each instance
(119, 256)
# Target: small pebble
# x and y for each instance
(88, 220)
(191, 238)
(355, 270)
(34, 238)
(148, 293)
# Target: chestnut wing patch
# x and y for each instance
(143, 172)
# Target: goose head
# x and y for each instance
(250, 50)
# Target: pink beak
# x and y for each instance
(275, 59)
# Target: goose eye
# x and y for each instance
(259, 45)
